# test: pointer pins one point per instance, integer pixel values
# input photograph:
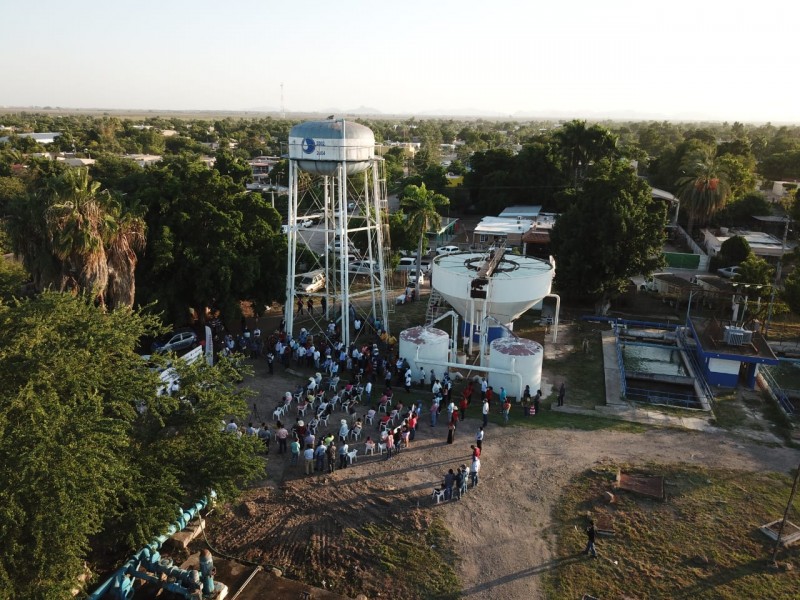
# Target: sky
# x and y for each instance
(679, 60)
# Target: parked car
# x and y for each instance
(447, 250)
(182, 340)
(308, 283)
(305, 222)
(729, 272)
(362, 267)
(412, 277)
(407, 263)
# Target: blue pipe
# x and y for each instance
(121, 581)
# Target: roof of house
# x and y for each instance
(503, 226)
(520, 210)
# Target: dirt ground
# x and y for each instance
(503, 530)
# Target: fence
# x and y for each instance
(777, 391)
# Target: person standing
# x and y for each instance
(479, 440)
(485, 412)
(590, 536)
(331, 455)
(270, 362)
(265, 435)
(282, 434)
(536, 399)
(484, 387)
(451, 432)
(408, 381)
(295, 449)
(474, 469)
(343, 449)
(434, 413)
(506, 409)
(308, 455)
(368, 392)
(562, 391)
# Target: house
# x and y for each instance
(493, 230)
(762, 244)
(727, 353)
(42, 138)
(143, 160)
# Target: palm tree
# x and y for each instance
(421, 205)
(704, 189)
(581, 145)
(76, 237)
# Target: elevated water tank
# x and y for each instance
(521, 356)
(319, 147)
(419, 344)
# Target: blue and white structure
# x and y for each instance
(347, 194)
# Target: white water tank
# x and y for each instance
(320, 147)
(420, 344)
(521, 356)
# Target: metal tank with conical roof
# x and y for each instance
(490, 289)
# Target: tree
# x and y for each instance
(75, 236)
(88, 450)
(734, 250)
(613, 230)
(581, 145)
(791, 291)
(704, 189)
(421, 205)
(210, 244)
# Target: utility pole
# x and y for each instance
(786, 514)
(777, 276)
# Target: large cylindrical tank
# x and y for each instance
(521, 356)
(517, 283)
(319, 147)
(421, 344)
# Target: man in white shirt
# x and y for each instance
(474, 469)
(232, 427)
(485, 411)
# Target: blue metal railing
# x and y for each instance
(698, 371)
(621, 364)
(783, 398)
(688, 401)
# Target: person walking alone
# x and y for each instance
(485, 411)
(590, 535)
(562, 391)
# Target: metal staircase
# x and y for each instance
(437, 305)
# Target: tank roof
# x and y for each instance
(334, 129)
(516, 346)
(421, 335)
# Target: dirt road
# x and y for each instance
(503, 529)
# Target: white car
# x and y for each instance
(412, 277)
(729, 272)
(304, 222)
(362, 267)
(447, 250)
(311, 282)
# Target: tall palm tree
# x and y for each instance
(76, 237)
(581, 145)
(421, 205)
(704, 189)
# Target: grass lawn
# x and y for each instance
(702, 542)
(416, 564)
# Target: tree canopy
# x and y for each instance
(88, 448)
(612, 231)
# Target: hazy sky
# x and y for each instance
(724, 60)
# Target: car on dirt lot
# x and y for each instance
(182, 340)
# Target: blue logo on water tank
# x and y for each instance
(309, 145)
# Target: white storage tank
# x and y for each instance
(320, 147)
(420, 344)
(521, 356)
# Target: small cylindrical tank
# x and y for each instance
(521, 356)
(421, 344)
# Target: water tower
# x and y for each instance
(336, 179)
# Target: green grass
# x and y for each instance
(414, 562)
(714, 514)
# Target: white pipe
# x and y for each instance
(453, 330)
(555, 317)
(470, 368)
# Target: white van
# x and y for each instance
(309, 283)
(407, 263)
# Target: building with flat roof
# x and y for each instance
(493, 230)
(762, 244)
